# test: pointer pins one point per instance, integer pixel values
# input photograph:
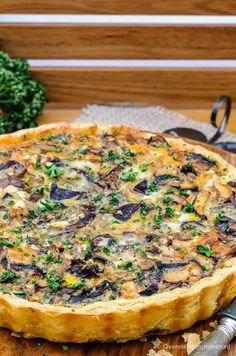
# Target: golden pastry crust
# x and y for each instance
(121, 319)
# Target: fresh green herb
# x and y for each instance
(152, 186)
(48, 205)
(22, 99)
(48, 137)
(158, 219)
(5, 215)
(127, 265)
(183, 192)
(39, 190)
(143, 210)
(32, 214)
(48, 257)
(111, 155)
(96, 198)
(11, 202)
(54, 281)
(114, 199)
(111, 297)
(170, 212)
(38, 165)
(144, 167)
(19, 293)
(106, 250)
(168, 201)
(129, 176)
(58, 260)
(128, 153)
(103, 209)
(206, 267)
(87, 252)
(220, 218)
(8, 276)
(7, 243)
(16, 229)
(82, 150)
(141, 251)
(204, 250)
(189, 208)
(78, 285)
(53, 171)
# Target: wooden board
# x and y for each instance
(138, 7)
(122, 41)
(162, 86)
(12, 346)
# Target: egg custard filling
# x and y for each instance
(92, 214)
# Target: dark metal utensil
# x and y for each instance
(198, 135)
(220, 338)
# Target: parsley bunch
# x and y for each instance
(22, 99)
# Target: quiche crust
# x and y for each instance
(121, 319)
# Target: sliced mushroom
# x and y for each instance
(157, 139)
(57, 193)
(111, 179)
(141, 187)
(200, 159)
(125, 212)
(17, 168)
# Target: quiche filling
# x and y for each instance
(88, 216)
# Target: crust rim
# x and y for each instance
(166, 312)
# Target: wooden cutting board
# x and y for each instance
(17, 346)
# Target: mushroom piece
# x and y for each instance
(125, 212)
(57, 193)
(18, 169)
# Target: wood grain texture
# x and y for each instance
(163, 86)
(135, 7)
(82, 41)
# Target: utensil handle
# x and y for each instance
(218, 340)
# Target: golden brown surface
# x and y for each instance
(164, 311)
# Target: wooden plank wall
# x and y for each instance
(121, 41)
(164, 86)
(123, 7)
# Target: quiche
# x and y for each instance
(108, 233)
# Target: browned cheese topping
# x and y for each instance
(88, 215)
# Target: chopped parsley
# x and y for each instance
(189, 208)
(183, 192)
(48, 205)
(78, 285)
(169, 212)
(143, 210)
(152, 186)
(7, 243)
(54, 281)
(204, 250)
(168, 201)
(158, 219)
(129, 176)
(206, 267)
(111, 155)
(82, 150)
(53, 171)
(114, 199)
(8, 276)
